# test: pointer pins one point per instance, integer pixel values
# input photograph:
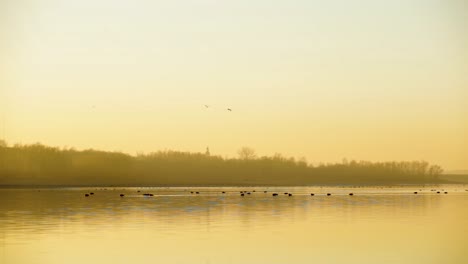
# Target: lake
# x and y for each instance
(375, 225)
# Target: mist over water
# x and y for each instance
(130, 94)
(375, 225)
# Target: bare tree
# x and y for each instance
(246, 153)
(435, 171)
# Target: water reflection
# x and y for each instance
(227, 227)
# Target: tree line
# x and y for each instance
(37, 164)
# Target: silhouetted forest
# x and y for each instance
(42, 165)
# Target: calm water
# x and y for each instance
(376, 225)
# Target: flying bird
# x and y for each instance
(207, 106)
(229, 109)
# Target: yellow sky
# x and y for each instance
(371, 80)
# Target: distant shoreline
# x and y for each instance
(39, 165)
(29, 186)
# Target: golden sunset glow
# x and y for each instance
(324, 80)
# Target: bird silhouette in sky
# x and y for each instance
(208, 106)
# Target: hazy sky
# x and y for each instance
(370, 79)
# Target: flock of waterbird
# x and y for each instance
(244, 193)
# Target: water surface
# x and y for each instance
(375, 225)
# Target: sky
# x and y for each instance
(366, 80)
